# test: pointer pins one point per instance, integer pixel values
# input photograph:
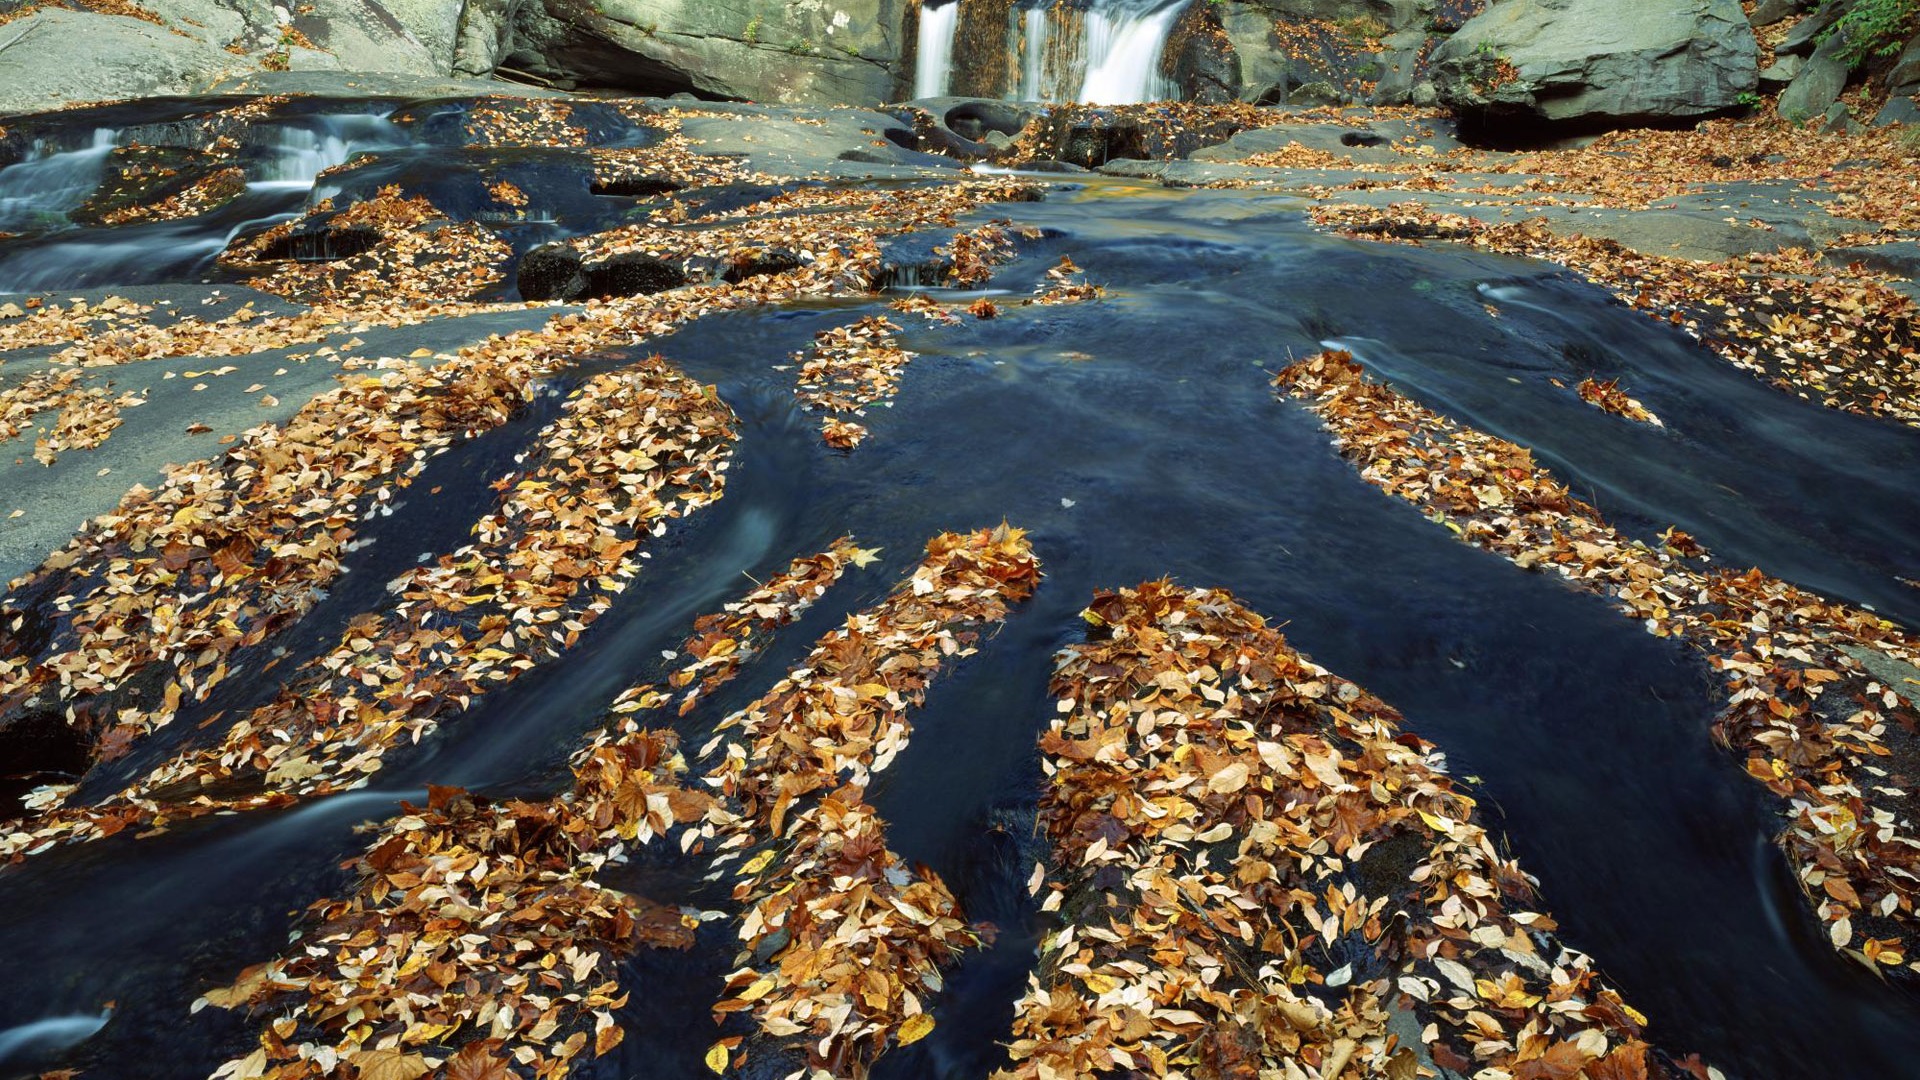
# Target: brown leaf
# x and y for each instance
(476, 1061)
(390, 1065)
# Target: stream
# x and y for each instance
(1135, 437)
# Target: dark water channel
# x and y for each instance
(1137, 438)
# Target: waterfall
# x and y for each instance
(1124, 41)
(38, 190)
(933, 64)
(1107, 54)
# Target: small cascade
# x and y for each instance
(300, 154)
(1106, 52)
(37, 191)
(933, 68)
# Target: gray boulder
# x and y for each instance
(1903, 87)
(57, 57)
(1817, 88)
(1599, 62)
(1768, 12)
(808, 51)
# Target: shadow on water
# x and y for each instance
(1138, 438)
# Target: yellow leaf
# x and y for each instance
(717, 1057)
(758, 863)
(864, 557)
(915, 1029)
(761, 988)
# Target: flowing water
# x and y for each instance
(37, 193)
(933, 70)
(1136, 437)
(1110, 54)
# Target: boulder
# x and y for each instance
(1781, 72)
(1598, 63)
(814, 52)
(1768, 12)
(1806, 34)
(57, 57)
(1817, 88)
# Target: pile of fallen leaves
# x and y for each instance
(794, 227)
(1845, 340)
(87, 415)
(849, 369)
(1870, 174)
(165, 590)
(1609, 398)
(210, 192)
(413, 250)
(1066, 284)
(633, 450)
(842, 942)
(514, 121)
(1256, 869)
(148, 608)
(477, 939)
(1805, 708)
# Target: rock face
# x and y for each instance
(1596, 63)
(1200, 57)
(55, 57)
(806, 51)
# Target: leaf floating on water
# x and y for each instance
(915, 1029)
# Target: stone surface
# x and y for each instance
(1817, 88)
(371, 35)
(808, 51)
(57, 57)
(1599, 62)
(1205, 65)
(1782, 71)
(1901, 257)
(1768, 12)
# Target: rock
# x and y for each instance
(1819, 85)
(551, 272)
(1901, 257)
(1781, 72)
(1904, 76)
(57, 57)
(843, 53)
(1838, 121)
(983, 65)
(1768, 12)
(484, 37)
(1598, 63)
(365, 35)
(350, 84)
(1806, 34)
(1899, 110)
(633, 273)
(1201, 59)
